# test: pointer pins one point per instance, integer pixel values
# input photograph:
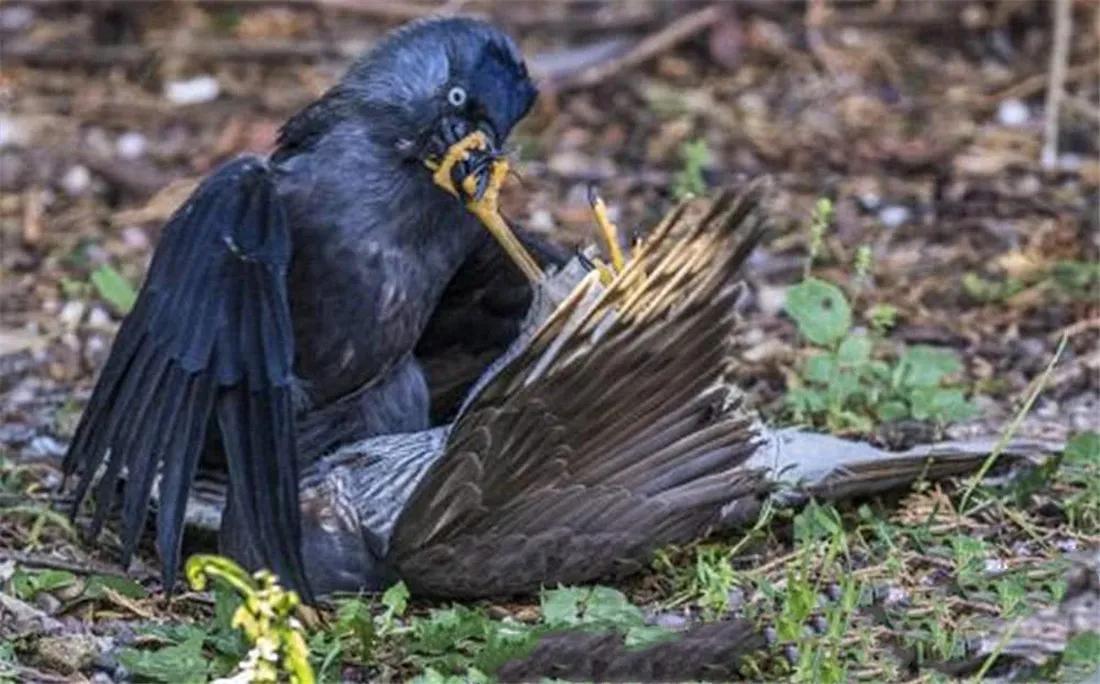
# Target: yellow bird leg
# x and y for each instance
(488, 211)
(609, 231)
(460, 151)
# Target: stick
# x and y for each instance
(645, 49)
(1063, 26)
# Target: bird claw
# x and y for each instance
(481, 191)
(610, 233)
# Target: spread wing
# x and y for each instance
(206, 353)
(610, 433)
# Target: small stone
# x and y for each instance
(670, 620)
(67, 654)
(870, 201)
(47, 602)
(131, 145)
(100, 319)
(76, 180)
(72, 313)
(192, 91)
(1013, 112)
(16, 18)
(46, 446)
(541, 220)
(135, 238)
(894, 215)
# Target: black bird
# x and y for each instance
(287, 297)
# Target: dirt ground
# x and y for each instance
(926, 123)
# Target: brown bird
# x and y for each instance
(607, 430)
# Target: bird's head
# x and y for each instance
(433, 82)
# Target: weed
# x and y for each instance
(113, 287)
(845, 384)
(689, 182)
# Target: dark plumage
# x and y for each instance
(295, 290)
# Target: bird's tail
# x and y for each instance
(801, 464)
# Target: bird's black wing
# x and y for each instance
(208, 348)
(477, 318)
(611, 433)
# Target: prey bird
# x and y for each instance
(607, 430)
(295, 301)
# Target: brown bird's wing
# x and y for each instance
(611, 432)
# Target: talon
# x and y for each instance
(608, 229)
(485, 205)
(482, 193)
(456, 153)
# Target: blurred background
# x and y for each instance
(927, 125)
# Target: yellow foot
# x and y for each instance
(458, 152)
(486, 207)
(610, 233)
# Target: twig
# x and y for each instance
(645, 49)
(1063, 26)
(131, 55)
(1006, 437)
(79, 568)
(1034, 83)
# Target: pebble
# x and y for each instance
(46, 446)
(16, 18)
(894, 215)
(135, 239)
(193, 90)
(1013, 112)
(100, 319)
(76, 180)
(670, 620)
(72, 313)
(131, 145)
(541, 220)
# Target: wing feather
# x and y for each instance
(612, 432)
(208, 345)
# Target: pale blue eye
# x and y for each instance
(456, 96)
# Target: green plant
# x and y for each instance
(846, 384)
(113, 287)
(1079, 472)
(265, 615)
(689, 181)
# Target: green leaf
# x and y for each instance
(820, 310)
(820, 368)
(1084, 450)
(1083, 649)
(610, 606)
(123, 586)
(562, 606)
(183, 662)
(114, 288)
(816, 522)
(891, 410)
(854, 350)
(396, 599)
(923, 366)
(943, 405)
(28, 584)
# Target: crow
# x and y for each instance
(287, 297)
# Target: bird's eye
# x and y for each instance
(456, 96)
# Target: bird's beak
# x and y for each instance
(478, 182)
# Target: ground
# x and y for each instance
(952, 219)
